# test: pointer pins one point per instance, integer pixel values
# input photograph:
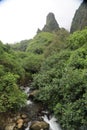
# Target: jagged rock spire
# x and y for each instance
(51, 23)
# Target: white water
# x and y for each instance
(29, 102)
(52, 122)
(28, 126)
(27, 91)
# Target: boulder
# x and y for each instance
(33, 94)
(10, 126)
(23, 116)
(20, 123)
(39, 125)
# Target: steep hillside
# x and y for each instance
(40, 42)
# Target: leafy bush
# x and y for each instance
(77, 39)
(11, 97)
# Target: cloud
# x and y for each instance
(19, 19)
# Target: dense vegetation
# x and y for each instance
(11, 97)
(62, 82)
(55, 64)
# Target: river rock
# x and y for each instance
(20, 123)
(23, 116)
(10, 126)
(39, 125)
(33, 94)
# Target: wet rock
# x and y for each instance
(39, 125)
(33, 94)
(23, 116)
(20, 123)
(10, 126)
(16, 117)
(22, 128)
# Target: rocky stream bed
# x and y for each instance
(32, 117)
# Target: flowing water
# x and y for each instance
(35, 108)
(52, 122)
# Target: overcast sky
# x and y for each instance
(20, 19)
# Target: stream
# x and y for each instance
(35, 109)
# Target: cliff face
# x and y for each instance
(80, 18)
(51, 23)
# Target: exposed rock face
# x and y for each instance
(51, 23)
(80, 18)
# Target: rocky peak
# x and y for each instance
(80, 18)
(51, 23)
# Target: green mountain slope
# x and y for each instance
(40, 42)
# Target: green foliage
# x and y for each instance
(11, 97)
(1, 47)
(78, 59)
(58, 43)
(62, 82)
(2, 70)
(21, 46)
(78, 39)
(40, 42)
(32, 63)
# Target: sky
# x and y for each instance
(20, 19)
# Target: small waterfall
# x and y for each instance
(27, 91)
(52, 122)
